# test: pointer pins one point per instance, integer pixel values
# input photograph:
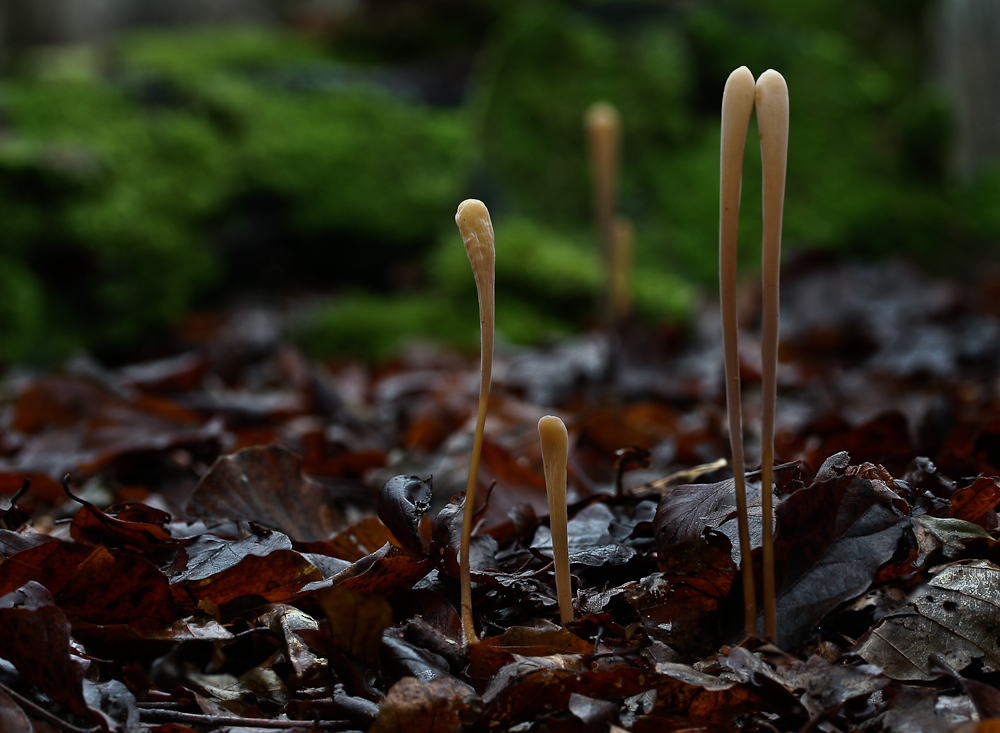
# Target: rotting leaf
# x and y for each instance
(681, 514)
(402, 503)
(77, 577)
(385, 570)
(356, 621)
(402, 658)
(265, 485)
(436, 706)
(285, 622)
(12, 718)
(262, 563)
(955, 616)
(977, 503)
(529, 689)
(357, 541)
(11, 517)
(131, 526)
(597, 535)
(833, 536)
(490, 654)
(679, 604)
(447, 536)
(36, 640)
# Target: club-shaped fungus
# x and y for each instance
(772, 122)
(770, 96)
(555, 450)
(474, 223)
(737, 106)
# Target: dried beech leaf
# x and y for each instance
(385, 570)
(77, 577)
(12, 718)
(359, 540)
(955, 616)
(356, 621)
(132, 526)
(277, 578)
(833, 536)
(36, 640)
(265, 485)
(435, 706)
(977, 503)
(490, 654)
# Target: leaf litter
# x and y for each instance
(247, 541)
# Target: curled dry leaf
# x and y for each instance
(402, 503)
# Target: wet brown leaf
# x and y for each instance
(832, 538)
(435, 706)
(977, 503)
(36, 640)
(486, 657)
(266, 485)
(356, 621)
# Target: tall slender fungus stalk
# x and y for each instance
(772, 121)
(737, 105)
(555, 449)
(603, 126)
(474, 223)
(621, 270)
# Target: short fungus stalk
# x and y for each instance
(555, 450)
(737, 106)
(474, 223)
(772, 121)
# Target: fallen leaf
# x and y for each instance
(266, 485)
(356, 621)
(955, 616)
(435, 706)
(832, 538)
(402, 503)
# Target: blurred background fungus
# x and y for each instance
(164, 157)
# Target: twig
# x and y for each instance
(147, 715)
(39, 712)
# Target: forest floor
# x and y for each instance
(222, 555)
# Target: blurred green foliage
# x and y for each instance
(129, 195)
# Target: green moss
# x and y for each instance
(114, 188)
(356, 162)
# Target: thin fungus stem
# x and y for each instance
(772, 121)
(603, 126)
(555, 451)
(474, 223)
(737, 106)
